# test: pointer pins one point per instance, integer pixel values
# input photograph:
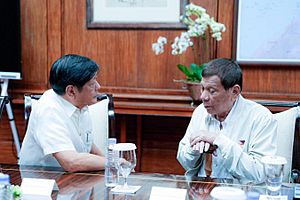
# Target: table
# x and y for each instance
(91, 185)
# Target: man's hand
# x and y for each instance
(203, 142)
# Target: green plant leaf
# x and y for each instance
(185, 70)
(193, 72)
(197, 71)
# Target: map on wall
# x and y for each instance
(268, 31)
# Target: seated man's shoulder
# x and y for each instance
(258, 111)
(256, 107)
(48, 103)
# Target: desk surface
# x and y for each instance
(86, 186)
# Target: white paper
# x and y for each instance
(130, 190)
(164, 193)
(33, 188)
(267, 197)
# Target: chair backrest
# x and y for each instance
(285, 138)
(102, 115)
(29, 102)
(296, 151)
(3, 101)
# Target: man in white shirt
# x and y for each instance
(238, 132)
(59, 132)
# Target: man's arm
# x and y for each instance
(187, 157)
(73, 161)
(190, 159)
(95, 150)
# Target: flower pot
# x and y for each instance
(194, 92)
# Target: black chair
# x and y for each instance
(3, 101)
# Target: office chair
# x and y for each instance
(285, 138)
(3, 101)
(288, 137)
(101, 113)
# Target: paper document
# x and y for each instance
(34, 188)
(164, 193)
(129, 190)
(267, 197)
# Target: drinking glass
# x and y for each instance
(273, 169)
(126, 160)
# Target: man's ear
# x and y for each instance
(236, 90)
(70, 91)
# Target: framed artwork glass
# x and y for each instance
(268, 32)
(135, 14)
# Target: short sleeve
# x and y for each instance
(52, 133)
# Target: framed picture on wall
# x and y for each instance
(135, 14)
(267, 32)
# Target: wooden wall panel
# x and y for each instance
(51, 28)
(226, 16)
(34, 45)
(115, 51)
(272, 82)
(54, 32)
(158, 71)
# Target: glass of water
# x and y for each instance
(125, 160)
(273, 169)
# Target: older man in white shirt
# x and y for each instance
(238, 132)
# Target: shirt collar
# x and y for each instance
(69, 108)
(231, 114)
(229, 117)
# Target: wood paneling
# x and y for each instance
(34, 45)
(51, 28)
(54, 32)
(226, 16)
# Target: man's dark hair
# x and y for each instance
(71, 70)
(227, 70)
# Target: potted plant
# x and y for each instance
(193, 78)
(199, 26)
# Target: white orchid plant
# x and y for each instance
(199, 24)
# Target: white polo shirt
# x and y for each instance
(55, 125)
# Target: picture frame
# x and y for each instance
(263, 36)
(135, 14)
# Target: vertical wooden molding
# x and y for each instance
(54, 31)
(123, 131)
(139, 142)
(226, 17)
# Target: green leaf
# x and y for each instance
(16, 191)
(193, 72)
(185, 70)
(197, 70)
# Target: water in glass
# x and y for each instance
(126, 159)
(273, 169)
